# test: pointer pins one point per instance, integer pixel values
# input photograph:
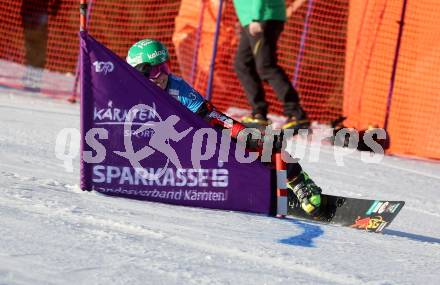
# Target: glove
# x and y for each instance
(257, 144)
(251, 141)
(278, 142)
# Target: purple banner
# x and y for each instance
(139, 142)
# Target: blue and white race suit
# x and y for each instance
(184, 93)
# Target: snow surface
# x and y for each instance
(53, 233)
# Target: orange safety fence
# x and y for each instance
(372, 54)
(44, 33)
(319, 62)
(338, 53)
(118, 24)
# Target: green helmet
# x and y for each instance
(149, 51)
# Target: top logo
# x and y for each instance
(104, 66)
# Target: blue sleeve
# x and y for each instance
(185, 94)
(191, 98)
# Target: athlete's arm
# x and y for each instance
(219, 120)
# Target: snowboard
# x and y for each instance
(362, 214)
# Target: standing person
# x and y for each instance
(35, 17)
(261, 23)
(150, 58)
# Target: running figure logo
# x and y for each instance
(164, 131)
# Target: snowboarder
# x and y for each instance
(150, 57)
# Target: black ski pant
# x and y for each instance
(256, 61)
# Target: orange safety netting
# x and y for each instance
(319, 60)
(118, 24)
(338, 53)
(371, 52)
(44, 33)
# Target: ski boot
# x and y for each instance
(307, 193)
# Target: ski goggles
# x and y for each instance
(153, 72)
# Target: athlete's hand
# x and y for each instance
(255, 28)
(278, 141)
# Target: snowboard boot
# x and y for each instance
(307, 192)
(255, 121)
(298, 120)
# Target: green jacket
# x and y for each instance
(259, 10)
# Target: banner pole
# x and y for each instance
(214, 52)
(85, 10)
(281, 170)
(82, 15)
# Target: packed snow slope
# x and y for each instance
(53, 233)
